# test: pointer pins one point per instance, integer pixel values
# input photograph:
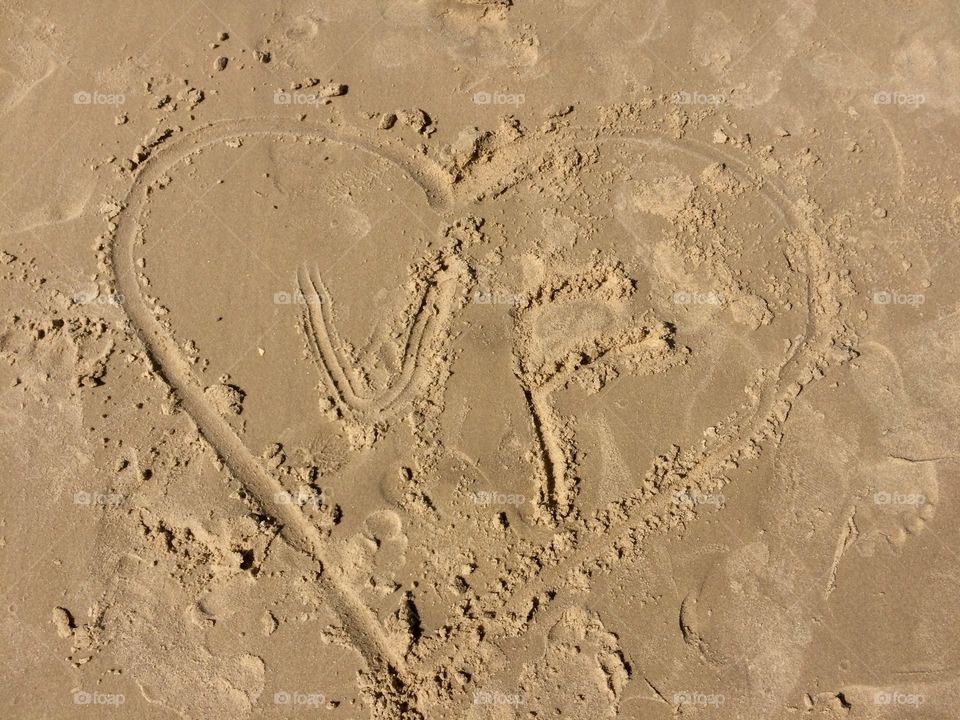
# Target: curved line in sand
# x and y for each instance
(713, 458)
(433, 310)
(359, 622)
(628, 516)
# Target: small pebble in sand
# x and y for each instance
(388, 121)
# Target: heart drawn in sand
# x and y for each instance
(544, 364)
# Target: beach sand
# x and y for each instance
(429, 359)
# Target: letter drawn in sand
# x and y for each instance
(592, 359)
(367, 412)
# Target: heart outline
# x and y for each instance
(170, 364)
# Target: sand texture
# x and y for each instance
(481, 359)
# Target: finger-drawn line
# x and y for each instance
(395, 693)
(431, 314)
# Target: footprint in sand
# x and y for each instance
(582, 667)
(746, 622)
(842, 493)
(901, 506)
(899, 475)
(377, 552)
(929, 701)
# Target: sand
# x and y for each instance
(483, 359)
